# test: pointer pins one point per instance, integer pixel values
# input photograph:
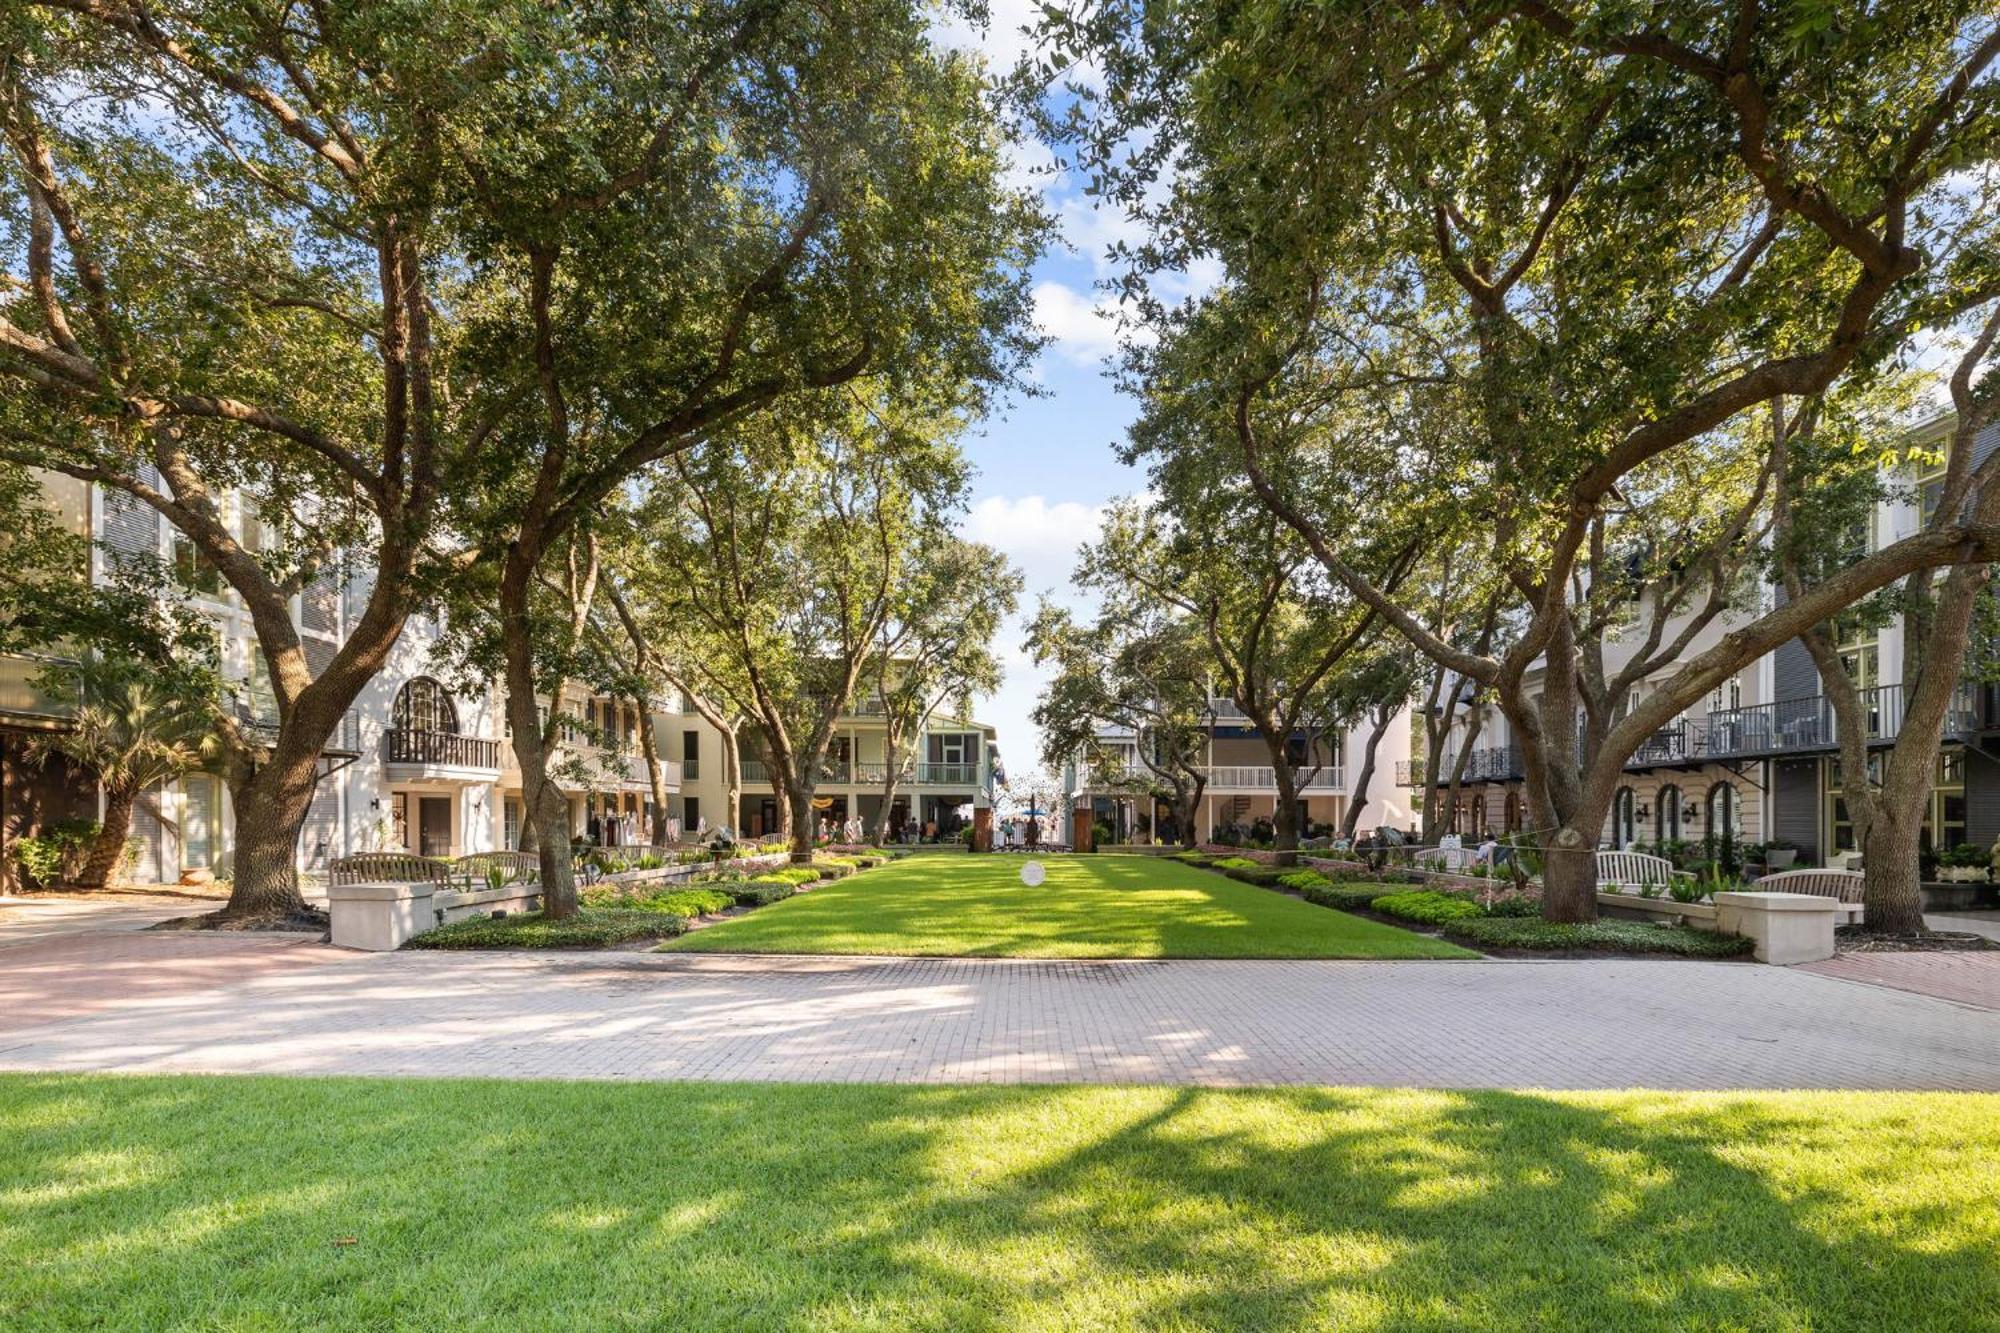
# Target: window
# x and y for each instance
(424, 705)
(193, 569)
(1945, 824)
(1513, 812)
(1624, 818)
(691, 822)
(1725, 811)
(953, 747)
(1727, 695)
(1667, 820)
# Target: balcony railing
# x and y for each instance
(1784, 726)
(948, 775)
(403, 745)
(1262, 777)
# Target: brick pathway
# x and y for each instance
(1964, 978)
(1613, 1023)
(64, 957)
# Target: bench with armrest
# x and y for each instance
(389, 868)
(519, 867)
(1635, 870)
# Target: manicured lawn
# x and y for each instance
(1089, 907)
(351, 1204)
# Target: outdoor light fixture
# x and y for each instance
(1645, 812)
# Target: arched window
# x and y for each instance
(1668, 819)
(423, 705)
(1725, 811)
(1513, 811)
(1624, 818)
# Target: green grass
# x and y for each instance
(152, 1203)
(1089, 907)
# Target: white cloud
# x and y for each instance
(1086, 328)
(1041, 537)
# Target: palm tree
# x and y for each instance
(134, 729)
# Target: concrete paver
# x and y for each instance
(1567, 1024)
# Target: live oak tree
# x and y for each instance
(1839, 461)
(1138, 668)
(241, 290)
(806, 525)
(936, 646)
(1282, 641)
(1608, 235)
(709, 215)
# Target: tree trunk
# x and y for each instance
(732, 782)
(1285, 820)
(1188, 807)
(798, 802)
(542, 802)
(1892, 890)
(1357, 790)
(889, 785)
(271, 805)
(109, 847)
(1569, 876)
(649, 747)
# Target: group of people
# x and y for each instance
(1023, 832)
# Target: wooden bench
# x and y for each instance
(1843, 886)
(519, 867)
(1635, 870)
(388, 868)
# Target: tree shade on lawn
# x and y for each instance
(1089, 907)
(351, 1203)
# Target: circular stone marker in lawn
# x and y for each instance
(1032, 874)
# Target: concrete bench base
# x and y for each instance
(1788, 927)
(381, 917)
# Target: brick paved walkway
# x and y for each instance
(63, 957)
(1965, 978)
(1496, 1024)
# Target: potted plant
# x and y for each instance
(1779, 854)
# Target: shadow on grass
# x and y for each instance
(166, 1202)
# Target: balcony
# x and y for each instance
(410, 755)
(21, 698)
(1492, 763)
(948, 775)
(1789, 726)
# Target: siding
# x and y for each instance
(1982, 798)
(1793, 675)
(131, 526)
(319, 606)
(1795, 804)
(319, 842)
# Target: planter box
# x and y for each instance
(1631, 907)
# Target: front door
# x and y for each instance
(434, 825)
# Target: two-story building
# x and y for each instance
(1758, 758)
(1241, 783)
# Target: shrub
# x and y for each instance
(1348, 898)
(673, 902)
(592, 927)
(1301, 880)
(1605, 936)
(57, 853)
(1260, 875)
(1515, 905)
(1234, 863)
(1427, 906)
(762, 891)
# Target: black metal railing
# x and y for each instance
(948, 775)
(445, 748)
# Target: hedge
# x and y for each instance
(1349, 897)
(1430, 907)
(761, 892)
(1606, 936)
(591, 927)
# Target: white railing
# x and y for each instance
(1253, 777)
